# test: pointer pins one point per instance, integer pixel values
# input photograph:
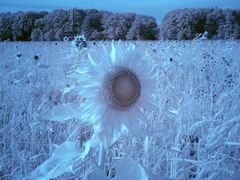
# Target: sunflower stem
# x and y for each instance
(102, 156)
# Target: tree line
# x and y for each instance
(180, 24)
(94, 24)
(184, 24)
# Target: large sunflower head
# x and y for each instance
(118, 84)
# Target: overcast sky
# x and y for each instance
(155, 8)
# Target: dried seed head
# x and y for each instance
(122, 88)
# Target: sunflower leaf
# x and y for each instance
(60, 162)
(62, 112)
(127, 169)
(97, 174)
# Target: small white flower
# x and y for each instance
(118, 84)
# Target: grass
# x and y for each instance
(194, 133)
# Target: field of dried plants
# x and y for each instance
(195, 130)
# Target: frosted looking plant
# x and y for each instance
(118, 84)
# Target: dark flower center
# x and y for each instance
(123, 88)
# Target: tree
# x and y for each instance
(188, 23)
(236, 32)
(24, 24)
(226, 28)
(214, 17)
(116, 26)
(184, 24)
(53, 24)
(168, 26)
(143, 28)
(6, 26)
(92, 25)
(37, 35)
(77, 17)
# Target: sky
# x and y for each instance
(155, 8)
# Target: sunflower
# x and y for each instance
(118, 84)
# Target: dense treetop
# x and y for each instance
(188, 23)
(180, 24)
(94, 24)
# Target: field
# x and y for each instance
(196, 126)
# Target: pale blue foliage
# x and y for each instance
(192, 134)
(61, 161)
(125, 168)
(128, 169)
(62, 112)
